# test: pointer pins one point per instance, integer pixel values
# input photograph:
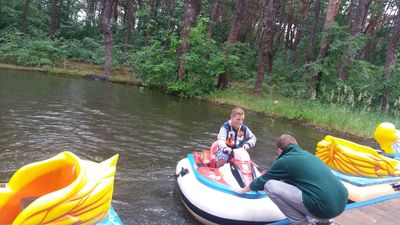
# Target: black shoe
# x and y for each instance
(319, 222)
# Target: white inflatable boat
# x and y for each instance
(206, 191)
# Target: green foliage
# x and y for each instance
(345, 46)
(361, 91)
(287, 79)
(10, 13)
(25, 50)
(154, 64)
(392, 86)
(204, 62)
(240, 61)
(181, 88)
(17, 48)
(86, 50)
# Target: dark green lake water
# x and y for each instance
(42, 115)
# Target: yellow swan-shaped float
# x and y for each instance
(61, 190)
(351, 158)
(388, 138)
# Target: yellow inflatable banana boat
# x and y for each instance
(355, 159)
(365, 173)
(59, 191)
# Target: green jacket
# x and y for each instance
(324, 195)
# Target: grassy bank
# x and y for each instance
(313, 113)
(80, 70)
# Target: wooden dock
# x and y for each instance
(382, 213)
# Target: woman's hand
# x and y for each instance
(227, 150)
(241, 190)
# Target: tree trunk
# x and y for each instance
(333, 7)
(356, 29)
(56, 6)
(372, 28)
(241, 5)
(213, 17)
(390, 61)
(171, 11)
(129, 24)
(90, 14)
(288, 42)
(115, 11)
(359, 22)
(141, 21)
(107, 33)
(24, 17)
(192, 9)
(153, 9)
(252, 20)
(150, 20)
(300, 26)
(350, 13)
(163, 6)
(266, 55)
(171, 16)
(314, 27)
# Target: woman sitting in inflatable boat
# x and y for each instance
(232, 135)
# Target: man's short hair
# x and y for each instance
(237, 111)
(284, 141)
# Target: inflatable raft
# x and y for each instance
(60, 190)
(206, 190)
(365, 173)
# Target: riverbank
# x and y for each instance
(328, 117)
(80, 70)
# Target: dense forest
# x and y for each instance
(335, 51)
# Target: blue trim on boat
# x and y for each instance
(394, 155)
(364, 181)
(282, 222)
(372, 201)
(111, 219)
(220, 187)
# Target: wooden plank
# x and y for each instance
(382, 213)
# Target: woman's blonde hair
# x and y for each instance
(237, 111)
